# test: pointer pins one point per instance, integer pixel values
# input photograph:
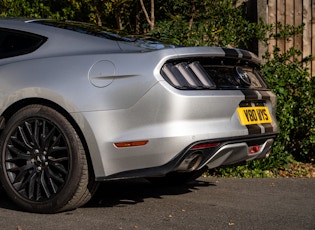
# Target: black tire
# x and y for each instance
(43, 165)
(178, 178)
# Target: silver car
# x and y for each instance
(79, 105)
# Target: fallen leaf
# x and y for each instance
(231, 223)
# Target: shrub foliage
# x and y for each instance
(287, 75)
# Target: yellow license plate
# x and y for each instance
(254, 115)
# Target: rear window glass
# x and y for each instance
(84, 28)
(15, 43)
(94, 30)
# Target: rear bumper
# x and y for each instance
(222, 152)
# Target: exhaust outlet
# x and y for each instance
(190, 163)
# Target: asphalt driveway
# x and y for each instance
(208, 203)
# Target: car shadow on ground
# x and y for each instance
(129, 192)
(123, 192)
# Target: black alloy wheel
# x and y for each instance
(43, 163)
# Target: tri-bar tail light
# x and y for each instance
(217, 75)
(184, 75)
(195, 69)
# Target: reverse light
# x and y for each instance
(204, 146)
(130, 144)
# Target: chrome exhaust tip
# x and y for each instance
(190, 163)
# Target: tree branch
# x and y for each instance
(150, 21)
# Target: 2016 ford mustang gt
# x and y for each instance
(79, 105)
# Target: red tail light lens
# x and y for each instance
(204, 146)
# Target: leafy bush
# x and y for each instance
(295, 89)
(287, 75)
(207, 23)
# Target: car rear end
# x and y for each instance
(234, 71)
(210, 107)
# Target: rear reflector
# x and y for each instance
(254, 149)
(130, 144)
(204, 146)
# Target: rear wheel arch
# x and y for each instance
(12, 109)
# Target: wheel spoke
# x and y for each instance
(15, 141)
(44, 184)
(28, 126)
(31, 187)
(60, 159)
(38, 190)
(46, 139)
(36, 133)
(20, 172)
(59, 167)
(54, 176)
(19, 154)
(53, 186)
(58, 148)
(24, 138)
(21, 185)
(55, 145)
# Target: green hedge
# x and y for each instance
(287, 75)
